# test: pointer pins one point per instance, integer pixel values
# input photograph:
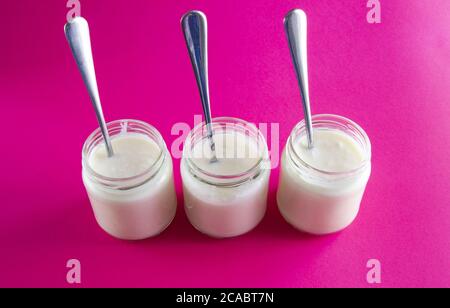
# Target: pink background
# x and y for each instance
(391, 78)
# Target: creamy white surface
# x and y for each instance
(236, 154)
(333, 151)
(133, 155)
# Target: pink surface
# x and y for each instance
(391, 78)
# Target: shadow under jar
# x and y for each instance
(132, 193)
(321, 189)
(226, 198)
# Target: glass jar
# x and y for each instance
(317, 201)
(137, 207)
(221, 202)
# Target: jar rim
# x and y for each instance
(343, 122)
(231, 180)
(96, 139)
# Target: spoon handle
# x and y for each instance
(77, 34)
(195, 29)
(296, 24)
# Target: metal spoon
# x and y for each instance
(77, 34)
(295, 24)
(195, 29)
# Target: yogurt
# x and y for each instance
(132, 193)
(333, 151)
(226, 198)
(321, 188)
(133, 154)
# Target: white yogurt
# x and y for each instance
(133, 155)
(333, 151)
(226, 198)
(321, 189)
(132, 193)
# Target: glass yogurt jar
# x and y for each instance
(321, 188)
(132, 193)
(228, 197)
